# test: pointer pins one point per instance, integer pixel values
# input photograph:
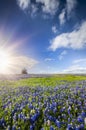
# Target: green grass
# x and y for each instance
(43, 81)
(16, 92)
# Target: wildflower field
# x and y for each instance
(57, 102)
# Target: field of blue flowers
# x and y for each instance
(59, 107)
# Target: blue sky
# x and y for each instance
(48, 36)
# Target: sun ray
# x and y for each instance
(11, 60)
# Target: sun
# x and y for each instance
(11, 59)
(4, 61)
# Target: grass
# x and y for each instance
(20, 94)
(43, 81)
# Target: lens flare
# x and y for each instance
(12, 63)
(4, 61)
(11, 60)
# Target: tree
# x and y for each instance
(24, 71)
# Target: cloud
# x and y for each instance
(75, 39)
(62, 17)
(20, 62)
(49, 6)
(23, 4)
(75, 69)
(79, 61)
(78, 66)
(61, 56)
(54, 29)
(25, 61)
(68, 11)
(70, 6)
(49, 59)
(34, 10)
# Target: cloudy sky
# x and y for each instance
(48, 36)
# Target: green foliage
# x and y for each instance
(16, 91)
(54, 80)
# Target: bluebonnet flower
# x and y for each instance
(64, 106)
(31, 127)
(13, 127)
(69, 127)
(51, 128)
(58, 123)
(79, 119)
(2, 122)
(82, 126)
(54, 110)
(42, 128)
(77, 128)
(69, 109)
(83, 114)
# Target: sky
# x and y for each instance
(44, 36)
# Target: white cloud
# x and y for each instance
(49, 6)
(54, 29)
(23, 4)
(25, 61)
(77, 66)
(62, 18)
(75, 39)
(79, 61)
(68, 11)
(70, 6)
(61, 56)
(75, 69)
(34, 10)
(20, 62)
(49, 59)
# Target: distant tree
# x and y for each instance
(24, 71)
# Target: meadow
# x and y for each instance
(56, 102)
